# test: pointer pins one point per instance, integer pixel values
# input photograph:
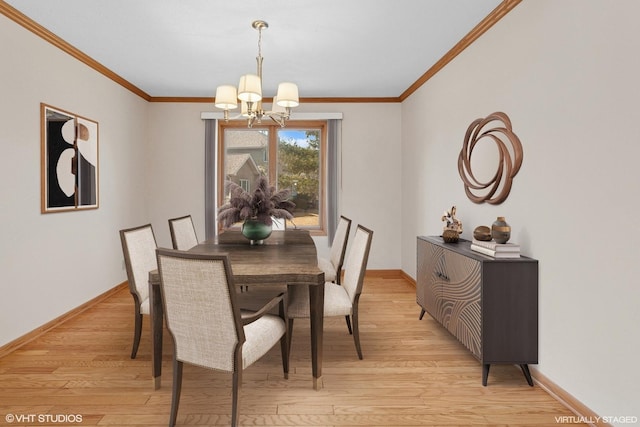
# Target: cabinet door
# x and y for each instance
(429, 282)
(461, 290)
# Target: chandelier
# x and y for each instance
(249, 93)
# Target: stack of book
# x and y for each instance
(496, 250)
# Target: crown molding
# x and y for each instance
(48, 36)
(307, 100)
(498, 13)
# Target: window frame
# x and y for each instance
(273, 128)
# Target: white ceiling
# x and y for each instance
(330, 48)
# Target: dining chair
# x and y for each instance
(278, 223)
(343, 299)
(332, 266)
(183, 233)
(139, 249)
(208, 328)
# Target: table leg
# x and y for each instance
(316, 306)
(156, 317)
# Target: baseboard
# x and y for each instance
(408, 278)
(30, 336)
(583, 414)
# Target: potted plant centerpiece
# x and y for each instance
(255, 209)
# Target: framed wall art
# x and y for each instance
(69, 161)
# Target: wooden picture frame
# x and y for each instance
(69, 161)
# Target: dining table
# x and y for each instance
(286, 257)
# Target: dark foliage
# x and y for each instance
(261, 204)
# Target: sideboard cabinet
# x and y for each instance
(490, 305)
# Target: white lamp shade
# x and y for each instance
(250, 88)
(277, 108)
(226, 97)
(288, 95)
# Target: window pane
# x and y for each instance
(299, 169)
(246, 156)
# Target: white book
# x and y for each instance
(494, 254)
(498, 247)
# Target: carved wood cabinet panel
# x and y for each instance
(489, 305)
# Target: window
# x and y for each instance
(291, 157)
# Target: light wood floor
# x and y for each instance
(413, 374)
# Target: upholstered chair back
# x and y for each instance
(339, 245)
(139, 247)
(278, 223)
(198, 295)
(356, 262)
(183, 233)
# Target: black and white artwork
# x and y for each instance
(69, 161)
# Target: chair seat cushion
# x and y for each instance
(336, 301)
(261, 336)
(328, 268)
(144, 307)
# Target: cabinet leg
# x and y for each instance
(421, 314)
(527, 374)
(523, 366)
(485, 373)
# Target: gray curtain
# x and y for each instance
(333, 176)
(210, 165)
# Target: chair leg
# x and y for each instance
(177, 388)
(290, 332)
(284, 340)
(348, 319)
(235, 404)
(136, 333)
(356, 331)
(284, 350)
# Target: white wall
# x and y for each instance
(566, 72)
(370, 191)
(176, 166)
(50, 264)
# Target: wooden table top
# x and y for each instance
(287, 256)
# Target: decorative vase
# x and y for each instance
(450, 236)
(482, 233)
(500, 230)
(256, 231)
